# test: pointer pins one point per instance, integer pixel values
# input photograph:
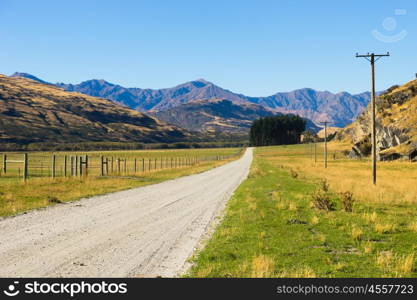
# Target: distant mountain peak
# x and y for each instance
(200, 83)
(28, 76)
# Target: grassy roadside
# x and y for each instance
(271, 230)
(16, 196)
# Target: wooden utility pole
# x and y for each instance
(372, 58)
(325, 143)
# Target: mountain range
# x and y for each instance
(339, 109)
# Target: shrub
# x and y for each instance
(324, 185)
(294, 174)
(322, 201)
(52, 199)
(347, 201)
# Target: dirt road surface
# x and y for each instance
(148, 231)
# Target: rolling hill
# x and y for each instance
(340, 109)
(31, 111)
(396, 125)
(216, 115)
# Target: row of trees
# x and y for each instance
(277, 130)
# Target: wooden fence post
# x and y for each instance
(125, 166)
(65, 166)
(76, 165)
(53, 165)
(102, 166)
(25, 166)
(143, 165)
(135, 166)
(80, 166)
(71, 165)
(118, 166)
(86, 164)
(4, 163)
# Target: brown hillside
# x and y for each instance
(396, 125)
(34, 112)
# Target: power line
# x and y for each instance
(372, 58)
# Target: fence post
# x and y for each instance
(143, 165)
(118, 166)
(149, 166)
(102, 166)
(25, 166)
(155, 163)
(86, 164)
(125, 166)
(53, 165)
(80, 166)
(76, 165)
(65, 166)
(4, 163)
(112, 164)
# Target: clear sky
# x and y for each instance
(257, 47)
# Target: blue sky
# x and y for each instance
(253, 47)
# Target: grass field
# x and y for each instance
(273, 228)
(17, 196)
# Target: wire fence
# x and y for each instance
(26, 165)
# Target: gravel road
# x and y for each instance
(147, 232)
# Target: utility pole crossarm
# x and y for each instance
(372, 54)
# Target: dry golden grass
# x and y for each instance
(384, 228)
(300, 272)
(321, 237)
(356, 233)
(384, 259)
(405, 264)
(282, 205)
(368, 247)
(314, 220)
(344, 174)
(339, 266)
(397, 265)
(292, 206)
(413, 226)
(370, 218)
(262, 266)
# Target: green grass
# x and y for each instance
(271, 230)
(17, 196)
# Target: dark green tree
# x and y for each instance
(277, 130)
